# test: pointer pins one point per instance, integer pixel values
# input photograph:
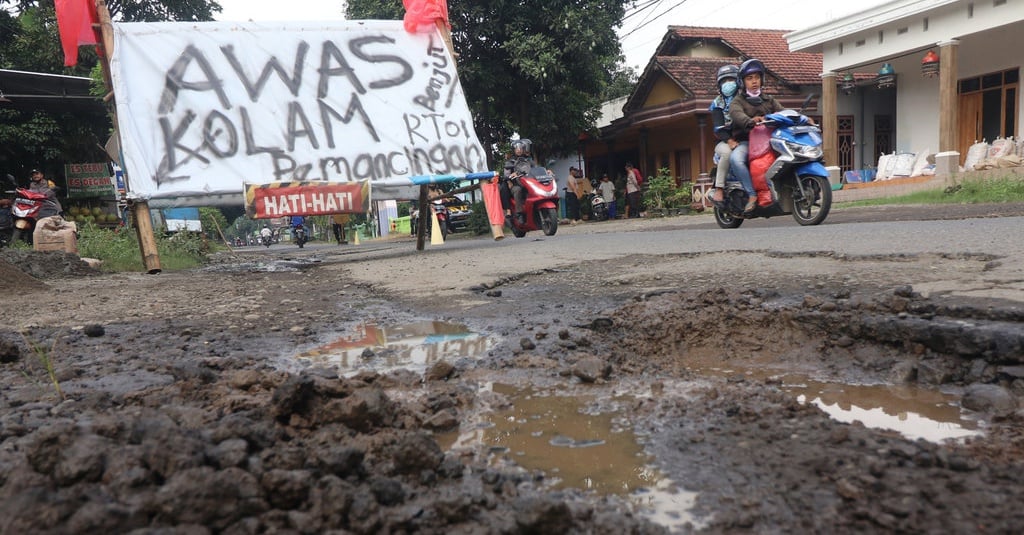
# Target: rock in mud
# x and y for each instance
(992, 399)
(592, 369)
(9, 351)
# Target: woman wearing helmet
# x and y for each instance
(727, 76)
(747, 111)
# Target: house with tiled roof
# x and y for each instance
(665, 122)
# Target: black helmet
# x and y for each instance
(524, 143)
(727, 71)
(752, 66)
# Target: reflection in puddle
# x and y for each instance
(576, 447)
(413, 346)
(912, 411)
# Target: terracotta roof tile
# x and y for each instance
(770, 46)
(696, 75)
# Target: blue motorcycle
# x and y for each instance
(797, 178)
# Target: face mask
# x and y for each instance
(729, 89)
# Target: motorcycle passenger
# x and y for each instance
(727, 87)
(51, 206)
(747, 110)
(510, 187)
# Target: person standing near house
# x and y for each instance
(607, 191)
(727, 87)
(573, 194)
(747, 111)
(633, 183)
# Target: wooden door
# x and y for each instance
(969, 123)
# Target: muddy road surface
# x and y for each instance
(642, 376)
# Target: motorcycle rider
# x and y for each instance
(747, 110)
(265, 232)
(298, 222)
(727, 87)
(510, 187)
(51, 206)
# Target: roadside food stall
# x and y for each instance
(91, 196)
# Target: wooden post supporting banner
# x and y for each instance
(147, 241)
(140, 210)
(421, 230)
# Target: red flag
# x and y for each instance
(421, 13)
(74, 21)
(492, 202)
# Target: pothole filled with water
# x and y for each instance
(913, 411)
(577, 442)
(414, 346)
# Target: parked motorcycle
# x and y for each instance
(299, 236)
(791, 162)
(598, 209)
(443, 219)
(541, 200)
(25, 211)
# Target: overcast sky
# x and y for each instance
(641, 31)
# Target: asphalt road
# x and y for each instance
(987, 233)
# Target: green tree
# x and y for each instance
(623, 81)
(539, 68)
(212, 219)
(29, 41)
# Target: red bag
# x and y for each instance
(758, 168)
(760, 141)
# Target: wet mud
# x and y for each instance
(301, 400)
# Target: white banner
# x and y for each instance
(204, 107)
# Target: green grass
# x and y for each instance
(997, 190)
(45, 357)
(119, 249)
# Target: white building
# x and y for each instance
(975, 95)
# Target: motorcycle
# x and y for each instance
(598, 208)
(25, 211)
(299, 236)
(786, 150)
(443, 219)
(541, 200)
(266, 240)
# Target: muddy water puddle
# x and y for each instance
(912, 411)
(577, 442)
(413, 346)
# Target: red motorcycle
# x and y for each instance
(25, 210)
(541, 204)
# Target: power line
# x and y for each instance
(646, 22)
(642, 22)
(640, 9)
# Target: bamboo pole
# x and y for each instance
(140, 209)
(421, 229)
